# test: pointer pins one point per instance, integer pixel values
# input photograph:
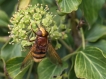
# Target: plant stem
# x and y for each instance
(83, 39)
(69, 55)
(74, 30)
(28, 77)
(7, 76)
(67, 46)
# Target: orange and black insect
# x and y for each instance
(42, 48)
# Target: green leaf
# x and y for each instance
(4, 16)
(90, 64)
(72, 74)
(91, 9)
(22, 4)
(13, 68)
(100, 44)
(96, 33)
(9, 51)
(4, 19)
(67, 6)
(8, 6)
(1, 1)
(58, 77)
(46, 69)
(3, 23)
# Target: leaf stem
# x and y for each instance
(5, 70)
(28, 77)
(58, 5)
(68, 56)
(83, 39)
(69, 48)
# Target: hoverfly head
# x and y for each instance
(42, 32)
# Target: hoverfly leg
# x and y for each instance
(31, 40)
(33, 30)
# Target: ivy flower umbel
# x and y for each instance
(25, 19)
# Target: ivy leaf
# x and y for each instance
(13, 68)
(67, 6)
(96, 33)
(91, 9)
(8, 6)
(46, 69)
(22, 4)
(3, 23)
(4, 19)
(4, 16)
(100, 44)
(72, 74)
(9, 51)
(90, 64)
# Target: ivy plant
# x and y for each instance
(77, 31)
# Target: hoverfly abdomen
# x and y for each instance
(40, 47)
(38, 55)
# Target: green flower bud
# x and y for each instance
(62, 27)
(30, 18)
(58, 45)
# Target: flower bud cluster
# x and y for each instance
(23, 21)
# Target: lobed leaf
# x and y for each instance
(47, 70)
(67, 6)
(96, 33)
(91, 8)
(13, 67)
(22, 4)
(90, 64)
(100, 44)
(9, 51)
(4, 19)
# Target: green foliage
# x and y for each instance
(4, 20)
(90, 63)
(13, 68)
(94, 35)
(30, 18)
(91, 9)
(7, 48)
(46, 67)
(66, 4)
(82, 49)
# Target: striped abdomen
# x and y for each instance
(40, 48)
(38, 56)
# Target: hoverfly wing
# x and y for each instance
(54, 57)
(28, 57)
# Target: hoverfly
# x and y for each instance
(41, 48)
